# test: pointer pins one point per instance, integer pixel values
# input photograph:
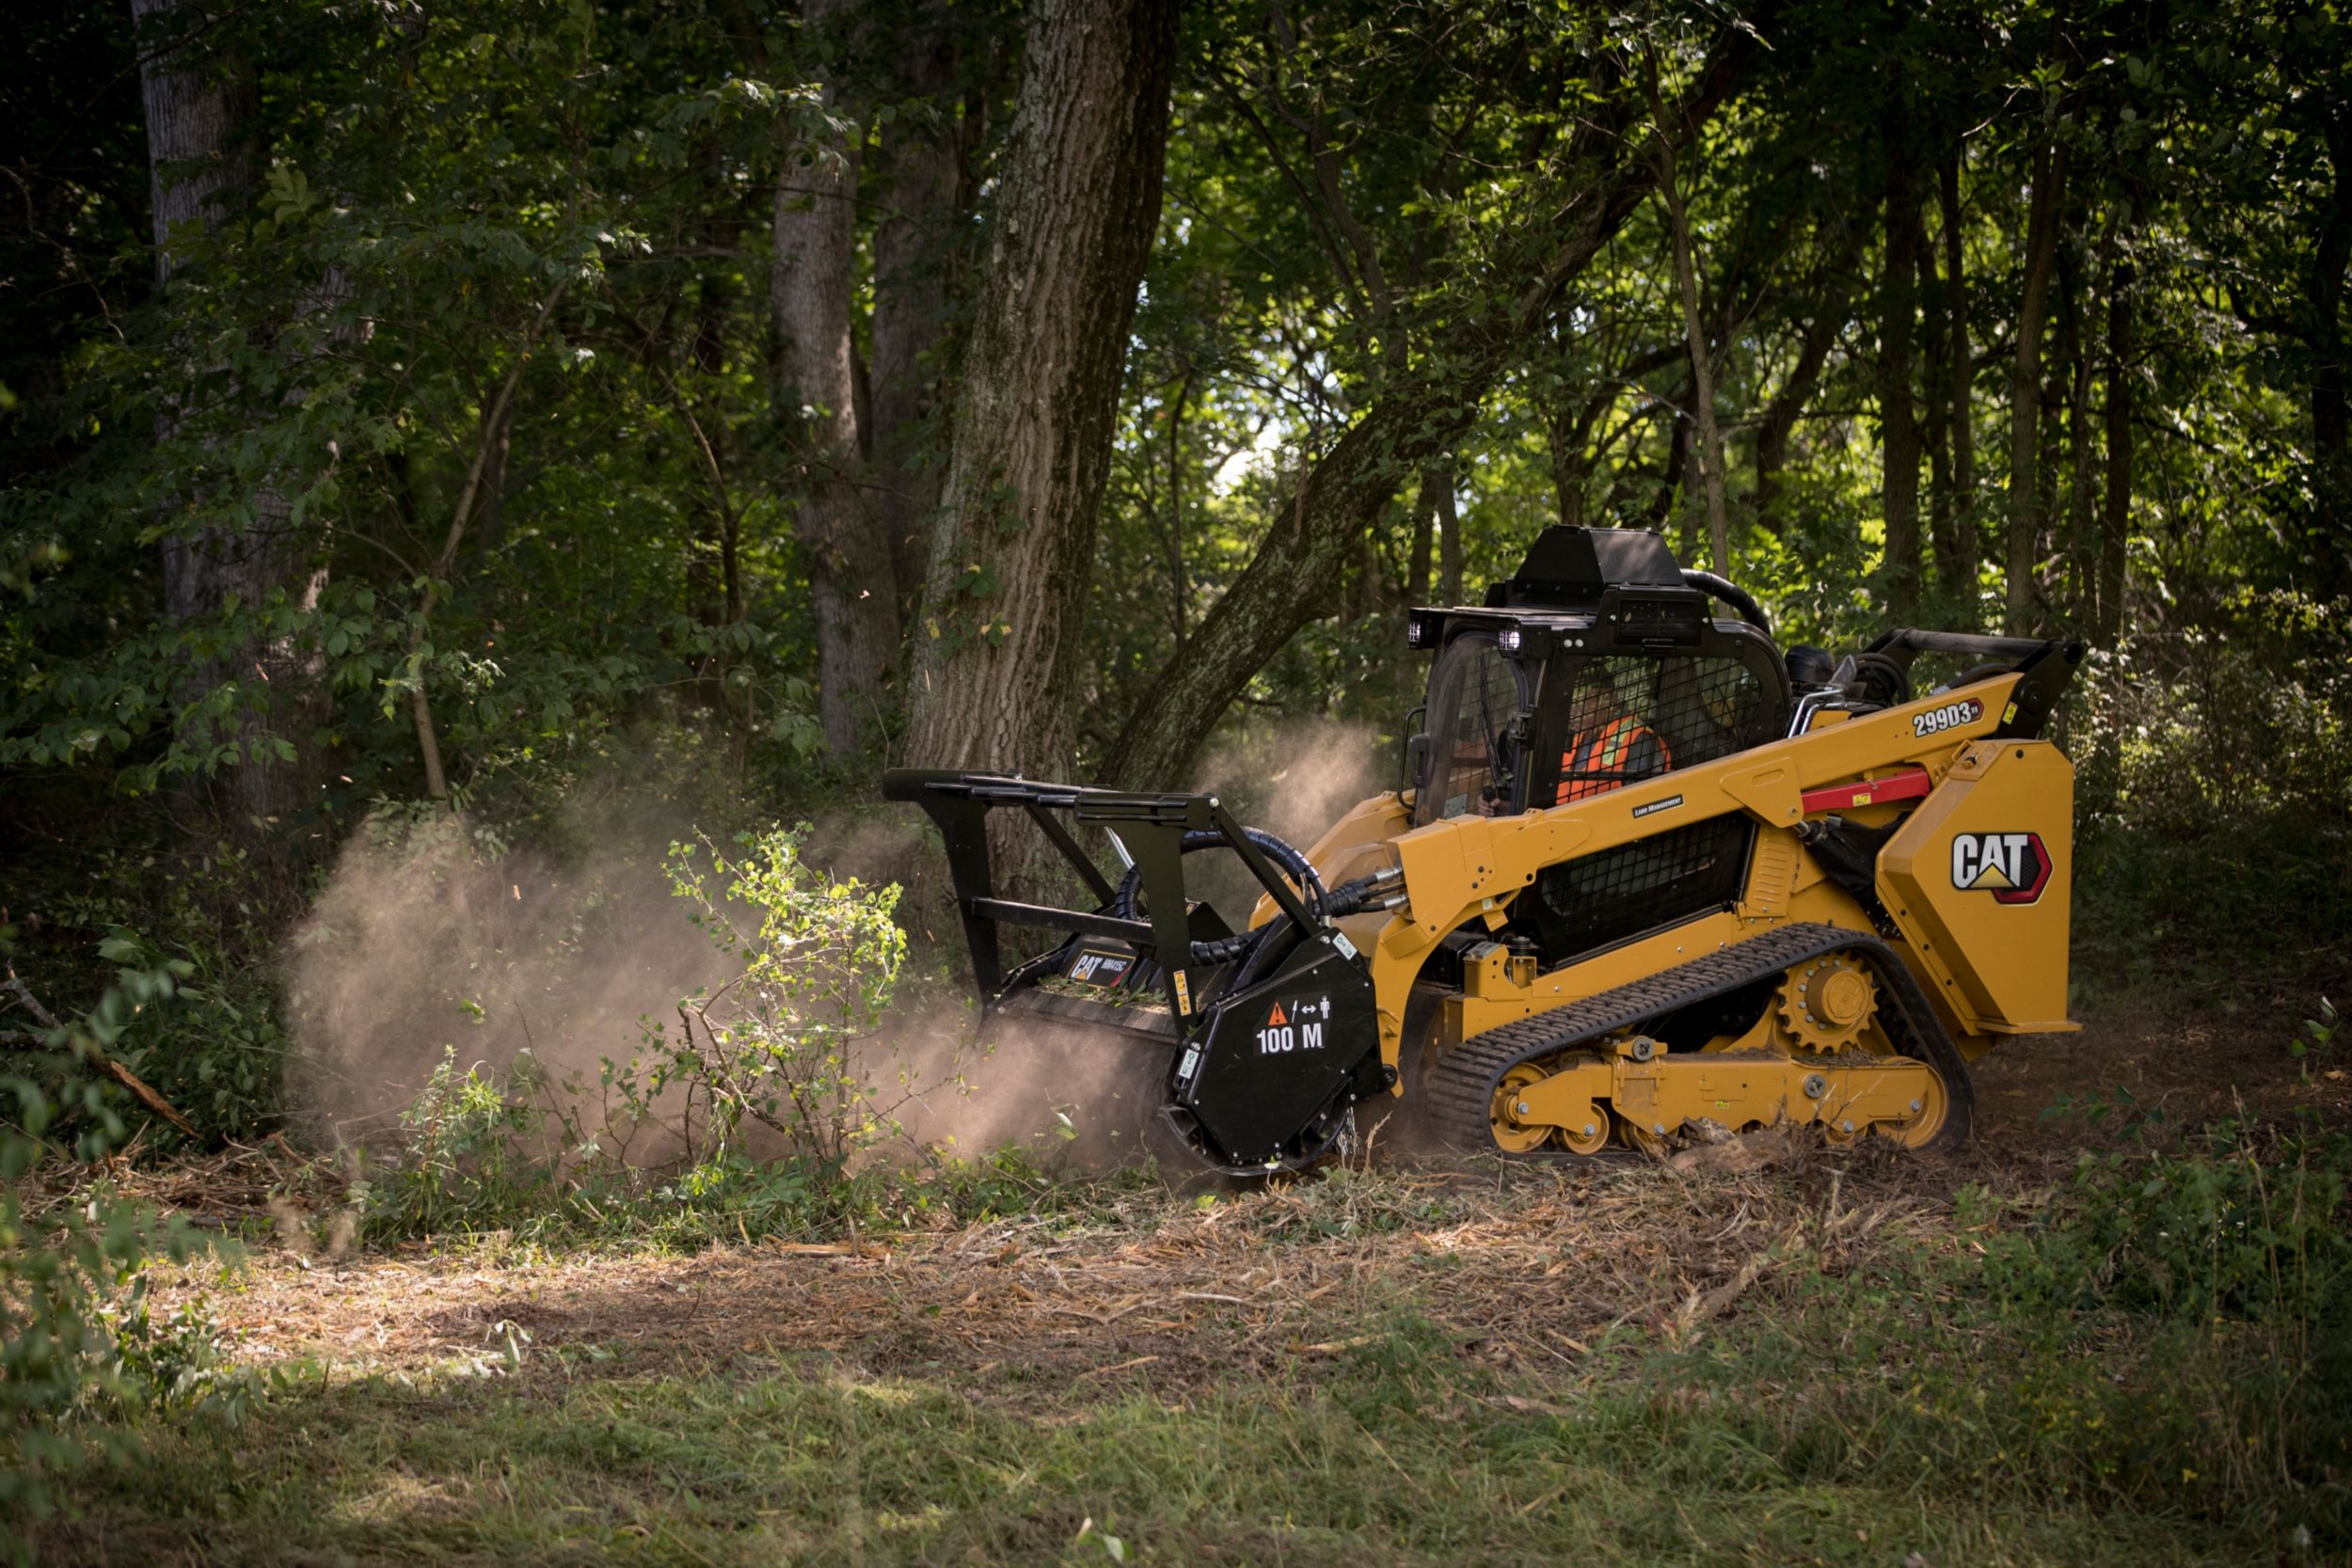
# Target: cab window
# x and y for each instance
(1476, 696)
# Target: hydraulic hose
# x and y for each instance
(1739, 598)
(1227, 949)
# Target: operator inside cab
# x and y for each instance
(1616, 746)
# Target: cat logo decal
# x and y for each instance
(2013, 867)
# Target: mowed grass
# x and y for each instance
(1397, 1456)
(1951, 1395)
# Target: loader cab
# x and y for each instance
(1596, 665)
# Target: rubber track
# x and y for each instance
(1461, 1083)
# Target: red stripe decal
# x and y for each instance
(1908, 786)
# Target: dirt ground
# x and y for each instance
(2192, 1063)
(1528, 1267)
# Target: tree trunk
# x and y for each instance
(1423, 411)
(851, 577)
(1710, 446)
(2116, 518)
(1780, 414)
(2331, 376)
(1935, 418)
(1078, 200)
(1661, 506)
(926, 199)
(2024, 387)
(1425, 538)
(205, 156)
(1898, 321)
(1449, 540)
(1957, 553)
(2081, 550)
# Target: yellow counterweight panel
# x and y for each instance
(1980, 881)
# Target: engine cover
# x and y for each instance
(1266, 1062)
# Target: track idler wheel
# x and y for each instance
(1916, 1131)
(1512, 1135)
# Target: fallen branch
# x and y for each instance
(42, 1015)
(89, 1051)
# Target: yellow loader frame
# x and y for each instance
(1990, 965)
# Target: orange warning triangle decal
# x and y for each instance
(1275, 1019)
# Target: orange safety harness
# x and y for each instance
(1617, 743)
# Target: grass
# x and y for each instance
(1399, 1454)
(1813, 1364)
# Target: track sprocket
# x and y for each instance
(1826, 1003)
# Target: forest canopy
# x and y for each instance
(405, 402)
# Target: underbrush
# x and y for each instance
(83, 1354)
(768, 1107)
(2214, 822)
(2170, 1334)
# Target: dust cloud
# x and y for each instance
(434, 940)
(433, 937)
(1291, 778)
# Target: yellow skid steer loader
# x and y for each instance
(1646, 873)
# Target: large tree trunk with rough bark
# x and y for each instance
(2043, 213)
(1423, 411)
(205, 158)
(1898, 321)
(997, 673)
(851, 575)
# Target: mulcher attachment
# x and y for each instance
(1275, 1032)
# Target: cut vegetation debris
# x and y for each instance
(1818, 1362)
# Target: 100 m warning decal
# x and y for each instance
(2013, 867)
(1288, 1028)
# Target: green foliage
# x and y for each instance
(80, 1348)
(2249, 1227)
(462, 1162)
(819, 960)
(768, 1110)
(2169, 1331)
(2215, 796)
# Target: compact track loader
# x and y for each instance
(1645, 873)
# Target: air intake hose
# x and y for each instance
(1739, 598)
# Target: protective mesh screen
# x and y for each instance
(1634, 716)
(1473, 702)
(1605, 896)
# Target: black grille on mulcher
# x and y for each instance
(1605, 896)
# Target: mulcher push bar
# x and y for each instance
(1153, 826)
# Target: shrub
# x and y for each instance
(463, 1162)
(77, 1338)
(778, 1045)
(748, 1114)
